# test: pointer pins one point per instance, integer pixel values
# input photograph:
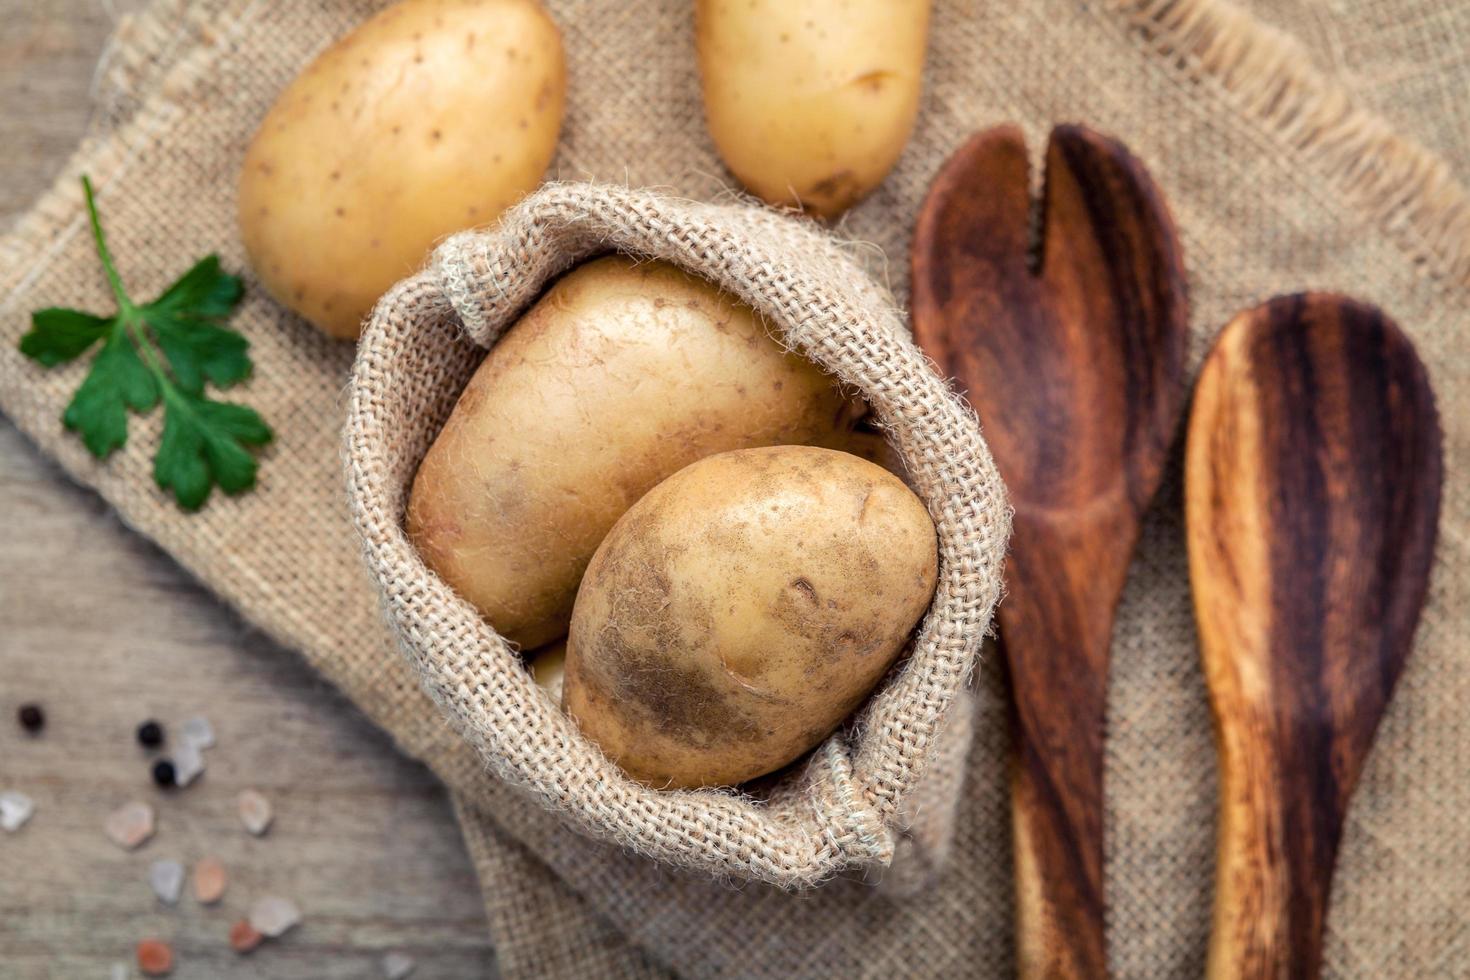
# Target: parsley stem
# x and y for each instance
(129, 318)
(124, 304)
(138, 333)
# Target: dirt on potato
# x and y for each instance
(742, 609)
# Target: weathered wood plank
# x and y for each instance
(104, 630)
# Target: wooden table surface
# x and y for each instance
(104, 631)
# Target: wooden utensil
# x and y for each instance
(1312, 488)
(1075, 365)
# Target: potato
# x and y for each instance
(547, 667)
(433, 116)
(742, 609)
(810, 102)
(620, 375)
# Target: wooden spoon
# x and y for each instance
(1312, 486)
(1075, 365)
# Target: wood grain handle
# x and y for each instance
(1059, 869)
(1056, 646)
(1270, 903)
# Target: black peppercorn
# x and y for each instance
(150, 734)
(163, 773)
(32, 718)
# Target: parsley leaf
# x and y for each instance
(183, 321)
(204, 292)
(58, 335)
(204, 443)
(165, 351)
(118, 381)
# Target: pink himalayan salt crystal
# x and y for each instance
(244, 937)
(255, 811)
(155, 958)
(209, 880)
(130, 824)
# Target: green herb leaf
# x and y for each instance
(185, 323)
(202, 351)
(165, 350)
(204, 444)
(202, 293)
(118, 381)
(58, 335)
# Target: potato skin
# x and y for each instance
(547, 666)
(809, 102)
(742, 609)
(622, 374)
(433, 116)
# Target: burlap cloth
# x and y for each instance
(1281, 177)
(846, 806)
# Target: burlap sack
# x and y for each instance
(841, 808)
(1282, 175)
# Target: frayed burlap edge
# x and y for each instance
(1267, 75)
(146, 46)
(844, 806)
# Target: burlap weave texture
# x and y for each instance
(1278, 182)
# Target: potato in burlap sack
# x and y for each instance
(852, 801)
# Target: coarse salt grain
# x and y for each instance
(15, 809)
(244, 937)
(130, 824)
(255, 811)
(167, 880)
(209, 880)
(188, 763)
(197, 732)
(274, 916)
(155, 958)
